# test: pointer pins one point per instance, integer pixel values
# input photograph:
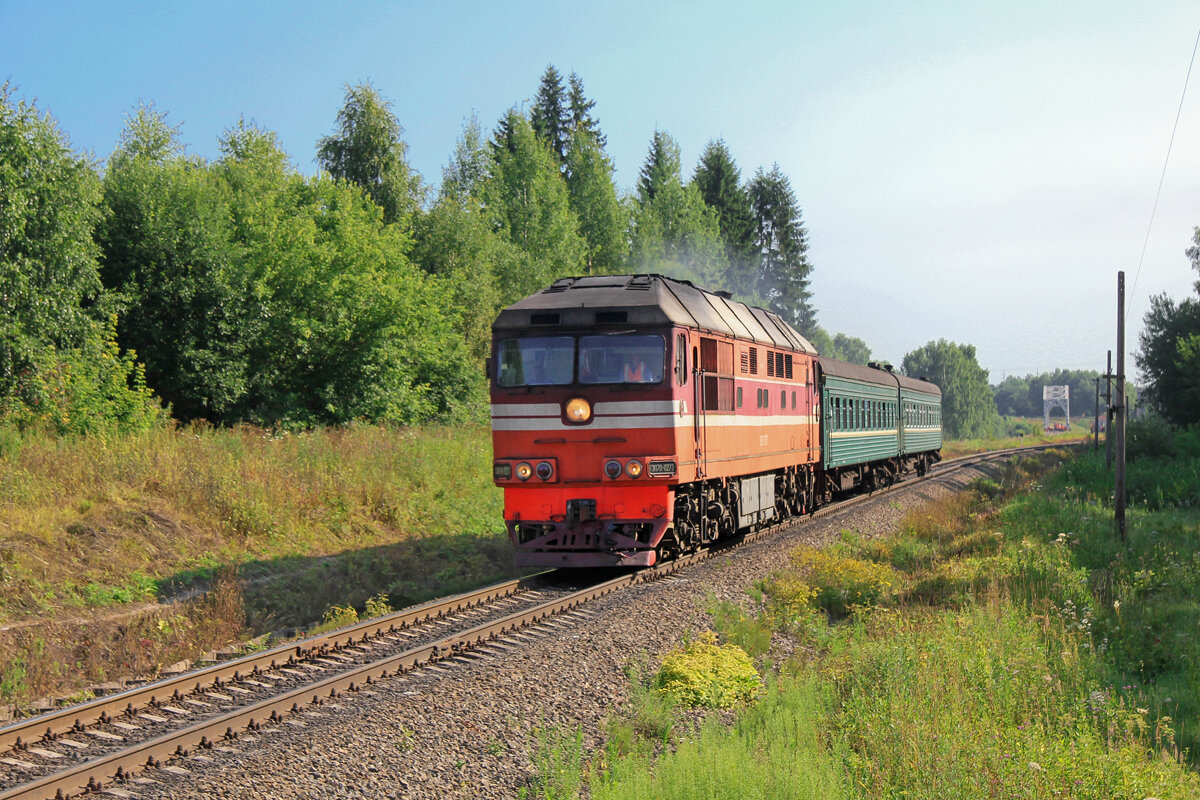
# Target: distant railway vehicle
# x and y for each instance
(637, 417)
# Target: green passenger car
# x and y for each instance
(875, 425)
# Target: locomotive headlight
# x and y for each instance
(633, 468)
(612, 469)
(524, 471)
(579, 410)
(544, 470)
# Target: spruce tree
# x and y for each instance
(503, 138)
(549, 115)
(581, 111)
(719, 181)
(782, 243)
(660, 169)
(674, 232)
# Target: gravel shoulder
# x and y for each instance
(465, 728)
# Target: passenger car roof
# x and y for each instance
(622, 301)
(844, 369)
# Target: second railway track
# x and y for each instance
(106, 742)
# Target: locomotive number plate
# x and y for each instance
(662, 467)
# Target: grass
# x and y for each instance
(1019, 432)
(1003, 643)
(93, 529)
(773, 750)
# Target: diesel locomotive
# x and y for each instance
(637, 417)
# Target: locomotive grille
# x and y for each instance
(609, 317)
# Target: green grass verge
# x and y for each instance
(1020, 432)
(1003, 643)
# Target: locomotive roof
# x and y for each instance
(646, 300)
(844, 369)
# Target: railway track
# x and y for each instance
(105, 743)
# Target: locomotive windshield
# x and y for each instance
(550, 360)
(536, 361)
(620, 359)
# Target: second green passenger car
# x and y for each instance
(875, 425)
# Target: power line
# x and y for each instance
(1163, 176)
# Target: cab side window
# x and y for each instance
(681, 376)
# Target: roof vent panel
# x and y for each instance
(611, 317)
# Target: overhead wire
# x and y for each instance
(1163, 176)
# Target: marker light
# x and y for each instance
(633, 469)
(544, 470)
(612, 469)
(578, 410)
(524, 471)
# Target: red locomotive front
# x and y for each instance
(621, 430)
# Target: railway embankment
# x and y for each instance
(932, 640)
(486, 724)
(120, 556)
(125, 556)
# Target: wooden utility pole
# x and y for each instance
(1119, 408)
(1108, 414)
(1096, 420)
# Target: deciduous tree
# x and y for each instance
(526, 198)
(463, 177)
(968, 406)
(367, 150)
(1169, 356)
(594, 200)
(169, 255)
(59, 362)
(851, 348)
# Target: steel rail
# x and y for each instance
(49, 726)
(117, 767)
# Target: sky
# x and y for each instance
(977, 172)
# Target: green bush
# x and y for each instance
(842, 582)
(703, 673)
(1152, 437)
(92, 389)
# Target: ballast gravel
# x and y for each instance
(467, 728)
